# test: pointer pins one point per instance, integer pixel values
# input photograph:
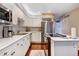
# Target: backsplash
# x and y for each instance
(16, 28)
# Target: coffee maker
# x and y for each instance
(7, 31)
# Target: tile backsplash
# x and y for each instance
(16, 28)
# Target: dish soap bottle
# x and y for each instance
(73, 33)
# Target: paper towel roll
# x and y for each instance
(73, 32)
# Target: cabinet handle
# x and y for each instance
(5, 53)
(21, 44)
(23, 39)
(13, 53)
(17, 44)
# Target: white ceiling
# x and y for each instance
(57, 8)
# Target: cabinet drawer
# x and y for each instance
(7, 51)
(19, 48)
(4, 52)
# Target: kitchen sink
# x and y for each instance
(57, 35)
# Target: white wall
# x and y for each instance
(71, 21)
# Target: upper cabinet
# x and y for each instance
(33, 22)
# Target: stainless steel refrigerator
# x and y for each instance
(47, 27)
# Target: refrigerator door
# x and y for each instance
(1, 29)
(5, 31)
(47, 27)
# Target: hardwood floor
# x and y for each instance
(37, 46)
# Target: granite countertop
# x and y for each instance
(4, 42)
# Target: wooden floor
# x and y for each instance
(37, 46)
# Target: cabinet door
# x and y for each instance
(4, 52)
(65, 49)
(18, 48)
(26, 41)
(8, 51)
(23, 45)
(36, 36)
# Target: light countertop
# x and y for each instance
(63, 39)
(4, 42)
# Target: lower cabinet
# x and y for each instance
(36, 36)
(18, 48)
(64, 48)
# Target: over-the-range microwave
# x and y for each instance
(5, 15)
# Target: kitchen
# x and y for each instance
(35, 29)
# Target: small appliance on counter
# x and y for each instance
(73, 33)
(7, 31)
(10, 33)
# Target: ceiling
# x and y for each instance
(57, 8)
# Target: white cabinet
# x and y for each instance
(8, 51)
(19, 48)
(63, 48)
(36, 36)
(33, 22)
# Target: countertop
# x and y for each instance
(4, 42)
(63, 39)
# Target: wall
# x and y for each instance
(71, 21)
